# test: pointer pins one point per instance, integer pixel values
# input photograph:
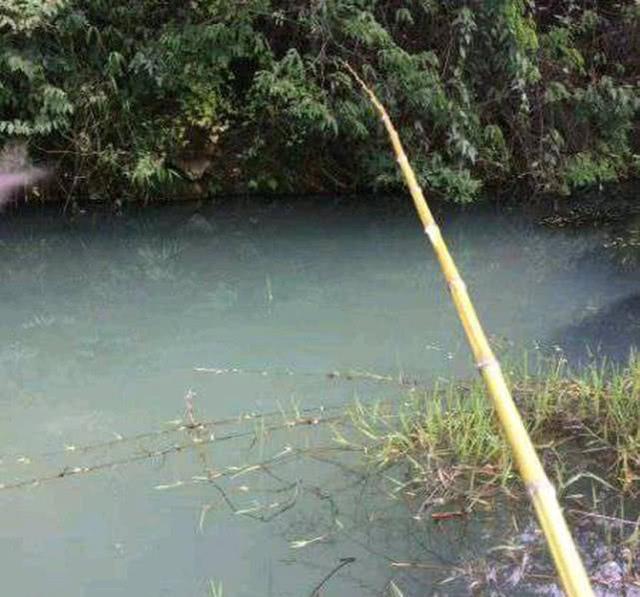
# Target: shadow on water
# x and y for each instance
(611, 332)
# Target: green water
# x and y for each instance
(104, 320)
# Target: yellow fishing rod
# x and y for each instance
(573, 576)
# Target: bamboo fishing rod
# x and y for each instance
(571, 571)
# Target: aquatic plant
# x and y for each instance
(594, 410)
(158, 260)
(215, 589)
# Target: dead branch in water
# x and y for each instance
(175, 449)
(341, 564)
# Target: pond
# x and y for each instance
(109, 322)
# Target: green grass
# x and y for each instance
(584, 422)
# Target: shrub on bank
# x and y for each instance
(155, 99)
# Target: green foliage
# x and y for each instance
(583, 169)
(453, 427)
(149, 98)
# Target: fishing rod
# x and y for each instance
(573, 575)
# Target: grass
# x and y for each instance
(215, 589)
(443, 454)
(585, 423)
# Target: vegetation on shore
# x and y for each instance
(585, 424)
(441, 452)
(157, 100)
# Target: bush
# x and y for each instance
(153, 99)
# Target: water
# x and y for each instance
(104, 320)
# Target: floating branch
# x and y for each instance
(349, 375)
(176, 426)
(170, 450)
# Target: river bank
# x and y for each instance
(442, 453)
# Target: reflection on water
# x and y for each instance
(106, 324)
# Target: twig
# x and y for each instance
(349, 375)
(341, 564)
(615, 519)
(177, 427)
(281, 508)
(161, 453)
